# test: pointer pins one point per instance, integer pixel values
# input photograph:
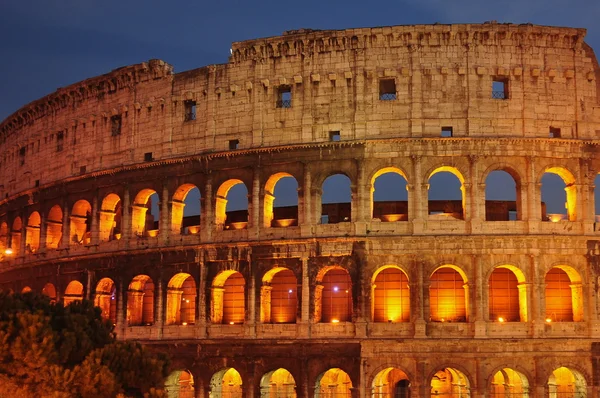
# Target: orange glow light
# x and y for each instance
(548, 320)
(335, 321)
(184, 323)
(500, 319)
(8, 251)
(232, 323)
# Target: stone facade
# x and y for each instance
(79, 168)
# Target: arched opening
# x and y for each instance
(502, 197)
(446, 195)
(181, 300)
(185, 210)
(50, 291)
(559, 196)
(336, 200)
(180, 384)
(3, 238)
(106, 299)
(26, 289)
(507, 295)
(278, 384)
(226, 383)
(54, 227)
(15, 236)
(448, 295)
(334, 383)
(389, 195)
(597, 197)
(281, 201)
(279, 296)
(231, 209)
(391, 383)
(140, 301)
(73, 292)
(565, 382)
(111, 214)
(508, 382)
(228, 298)
(144, 223)
(32, 234)
(333, 296)
(450, 383)
(564, 295)
(81, 222)
(390, 296)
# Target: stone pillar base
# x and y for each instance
(594, 327)
(360, 329)
(420, 329)
(480, 329)
(303, 330)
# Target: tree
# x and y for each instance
(50, 350)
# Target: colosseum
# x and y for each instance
(196, 210)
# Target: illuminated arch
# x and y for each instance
(26, 289)
(73, 292)
(32, 234)
(288, 215)
(111, 211)
(278, 383)
(567, 382)
(279, 296)
(105, 298)
(227, 383)
(180, 384)
(333, 212)
(394, 211)
(450, 383)
(54, 225)
(571, 191)
(390, 383)
(140, 301)
(50, 291)
(81, 218)
(140, 225)
(333, 295)
(390, 295)
(3, 237)
(15, 238)
(448, 295)
(503, 209)
(228, 298)
(179, 222)
(181, 300)
(507, 294)
(334, 383)
(221, 206)
(508, 382)
(563, 295)
(446, 209)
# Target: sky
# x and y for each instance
(45, 44)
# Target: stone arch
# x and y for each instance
(226, 383)
(3, 238)
(333, 295)
(73, 292)
(447, 208)
(279, 296)
(448, 294)
(508, 382)
(32, 232)
(228, 298)
(142, 223)
(571, 192)
(390, 295)
(507, 294)
(235, 219)
(396, 210)
(180, 384)
(54, 225)
(81, 218)
(140, 301)
(105, 298)
(279, 216)
(180, 223)
(26, 289)
(566, 382)
(563, 295)
(333, 383)
(50, 291)
(332, 210)
(450, 382)
(15, 236)
(278, 383)
(181, 300)
(503, 209)
(111, 213)
(390, 382)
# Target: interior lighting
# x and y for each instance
(443, 320)
(335, 321)
(8, 251)
(232, 323)
(500, 319)
(290, 291)
(335, 288)
(184, 323)
(187, 301)
(548, 320)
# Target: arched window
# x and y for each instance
(54, 227)
(446, 196)
(180, 384)
(450, 383)
(73, 292)
(334, 383)
(140, 301)
(226, 383)
(106, 299)
(390, 383)
(447, 296)
(228, 298)
(503, 296)
(32, 234)
(81, 222)
(564, 297)
(565, 382)
(181, 300)
(509, 383)
(391, 296)
(3, 238)
(50, 291)
(389, 195)
(110, 218)
(142, 223)
(336, 200)
(597, 197)
(26, 289)
(232, 205)
(16, 236)
(559, 195)
(185, 210)
(281, 201)
(502, 197)
(278, 384)
(333, 296)
(279, 296)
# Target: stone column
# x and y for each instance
(135, 302)
(361, 198)
(254, 211)
(202, 294)
(524, 304)
(120, 327)
(207, 219)
(105, 229)
(216, 304)
(66, 228)
(252, 300)
(307, 218)
(265, 303)
(538, 306)
(176, 217)
(305, 299)
(126, 231)
(577, 302)
(416, 294)
(94, 233)
(159, 318)
(138, 217)
(468, 205)
(164, 225)
(418, 206)
(43, 232)
(173, 312)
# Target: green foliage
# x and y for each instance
(54, 351)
